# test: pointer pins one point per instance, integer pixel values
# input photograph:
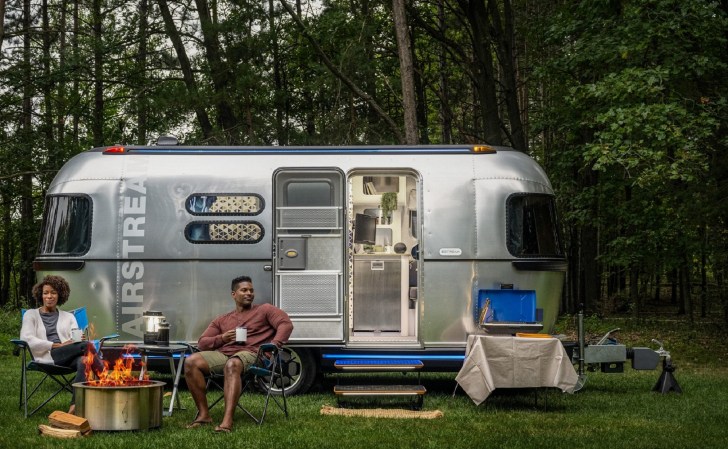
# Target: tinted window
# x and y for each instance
(309, 194)
(66, 225)
(532, 227)
(226, 204)
(224, 232)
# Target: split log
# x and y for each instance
(58, 433)
(63, 420)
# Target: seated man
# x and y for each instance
(221, 354)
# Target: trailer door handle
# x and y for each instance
(267, 267)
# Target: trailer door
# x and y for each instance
(308, 251)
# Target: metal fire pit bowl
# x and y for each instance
(135, 407)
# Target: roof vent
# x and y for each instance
(167, 140)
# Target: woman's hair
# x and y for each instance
(58, 284)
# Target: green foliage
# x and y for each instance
(635, 118)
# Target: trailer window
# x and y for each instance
(66, 225)
(309, 193)
(240, 232)
(532, 227)
(226, 204)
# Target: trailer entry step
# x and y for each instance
(379, 390)
(417, 392)
(378, 365)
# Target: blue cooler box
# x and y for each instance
(516, 306)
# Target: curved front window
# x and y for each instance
(66, 226)
(532, 229)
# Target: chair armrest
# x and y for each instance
(19, 343)
(100, 342)
(191, 348)
(109, 337)
(19, 346)
(268, 347)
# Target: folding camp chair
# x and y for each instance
(61, 375)
(266, 374)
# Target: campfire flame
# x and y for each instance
(119, 375)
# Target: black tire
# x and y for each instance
(299, 371)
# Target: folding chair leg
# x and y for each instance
(276, 373)
(23, 392)
(65, 385)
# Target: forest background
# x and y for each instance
(623, 102)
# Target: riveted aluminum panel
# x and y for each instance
(325, 330)
(324, 253)
(308, 218)
(309, 293)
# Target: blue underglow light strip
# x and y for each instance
(388, 356)
(138, 356)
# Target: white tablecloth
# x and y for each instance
(514, 362)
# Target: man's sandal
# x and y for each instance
(222, 429)
(196, 424)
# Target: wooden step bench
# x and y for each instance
(380, 365)
(413, 391)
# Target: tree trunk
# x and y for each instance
(2, 24)
(634, 290)
(5, 257)
(407, 72)
(444, 111)
(589, 245)
(219, 73)
(47, 88)
(76, 76)
(25, 190)
(97, 120)
(184, 62)
(485, 82)
(142, 102)
(503, 32)
(423, 126)
(703, 272)
(682, 290)
(279, 96)
(61, 91)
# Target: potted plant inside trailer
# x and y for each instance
(388, 204)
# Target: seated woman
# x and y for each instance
(47, 330)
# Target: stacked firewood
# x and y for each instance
(65, 425)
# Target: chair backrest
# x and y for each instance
(81, 318)
(79, 313)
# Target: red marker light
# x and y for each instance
(114, 150)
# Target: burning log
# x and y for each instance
(120, 375)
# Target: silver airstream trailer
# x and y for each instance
(165, 228)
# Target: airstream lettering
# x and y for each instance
(132, 246)
(374, 252)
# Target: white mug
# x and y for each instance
(76, 334)
(241, 334)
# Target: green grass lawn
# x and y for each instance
(611, 411)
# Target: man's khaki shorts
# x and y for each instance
(216, 360)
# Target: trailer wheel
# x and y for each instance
(299, 371)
